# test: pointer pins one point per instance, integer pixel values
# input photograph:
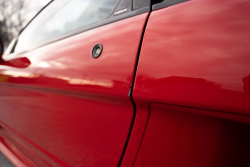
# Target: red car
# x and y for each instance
(129, 83)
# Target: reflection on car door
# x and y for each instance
(62, 107)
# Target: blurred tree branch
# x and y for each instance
(11, 18)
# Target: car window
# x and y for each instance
(61, 17)
(10, 47)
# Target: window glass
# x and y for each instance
(63, 16)
(9, 48)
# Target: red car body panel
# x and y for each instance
(196, 54)
(193, 75)
(70, 109)
(137, 134)
(191, 90)
(188, 137)
(14, 154)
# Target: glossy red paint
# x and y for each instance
(179, 136)
(192, 92)
(16, 157)
(70, 109)
(137, 134)
(21, 62)
(197, 54)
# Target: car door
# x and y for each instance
(64, 89)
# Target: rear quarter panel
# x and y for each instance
(193, 78)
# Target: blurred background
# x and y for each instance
(15, 14)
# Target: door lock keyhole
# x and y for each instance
(97, 50)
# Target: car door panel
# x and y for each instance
(68, 108)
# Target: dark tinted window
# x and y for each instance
(63, 16)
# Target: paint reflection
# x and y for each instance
(27, 77)
(78, 81)
(194, 92)
(20, 74)
(154, 83)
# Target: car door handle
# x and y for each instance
(22, 62)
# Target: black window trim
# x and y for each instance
(112, 18)
(166, 3)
